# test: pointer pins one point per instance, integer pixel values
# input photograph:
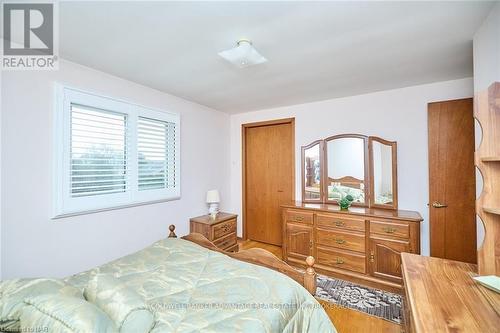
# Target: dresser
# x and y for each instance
(441, 296)
(221, 231)
(362, 245)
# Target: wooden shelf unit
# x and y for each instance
(492, 210)
(490, 159)
(487, 113)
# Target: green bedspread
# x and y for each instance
(192, 289)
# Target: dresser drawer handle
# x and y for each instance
(389, 230)
(339, 261)
(339, 241)
(339, 223)
(298, 218)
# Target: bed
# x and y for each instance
(188, 287)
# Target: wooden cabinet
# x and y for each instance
(221, 231)
(388, 239)
(385, 258)
(299, 240)
(362, 245)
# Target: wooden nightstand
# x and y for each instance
(221, 231)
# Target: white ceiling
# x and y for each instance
(316, 50)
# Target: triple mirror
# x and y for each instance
(350, 164)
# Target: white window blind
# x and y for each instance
(111, 153)
(98, 152)
(156, 149)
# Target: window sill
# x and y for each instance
(93, 211)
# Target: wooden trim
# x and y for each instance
(243, 183)
(360, 278)
(269, 122)
(402, 215)
(346, 180)
(367, 163)
(290, 121)
(303, 175)
(394, 146)
(456, 99)
(263, 258)
(368, 180)
(487, 156)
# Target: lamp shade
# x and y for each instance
(213, 196)
(243, 55)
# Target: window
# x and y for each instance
(110, 153)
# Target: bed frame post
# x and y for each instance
(172, 231)
(310, 276)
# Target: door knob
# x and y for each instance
(437, 204)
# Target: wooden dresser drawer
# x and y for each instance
(234, 248)
(298, 216)
(332, 220)
(341, 259)
(394, 229)
(220, 230)
(226, 241)
(342, 240)
(224, 228)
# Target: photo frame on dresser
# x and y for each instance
(355, 165)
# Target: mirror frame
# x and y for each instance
(366, 180)
(303, 172)
(394, 148)
(369, 186)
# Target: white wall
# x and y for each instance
(33, 244)
(399, 114)
(487, 51)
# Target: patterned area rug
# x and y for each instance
(374, 302)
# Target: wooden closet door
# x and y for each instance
(268, 178)
(452, 185)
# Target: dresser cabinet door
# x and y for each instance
(384, 258)
(299, 241)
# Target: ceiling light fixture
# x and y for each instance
(243, 55)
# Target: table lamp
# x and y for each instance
(213, 200)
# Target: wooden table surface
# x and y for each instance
(207, 219)
(443, 297)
